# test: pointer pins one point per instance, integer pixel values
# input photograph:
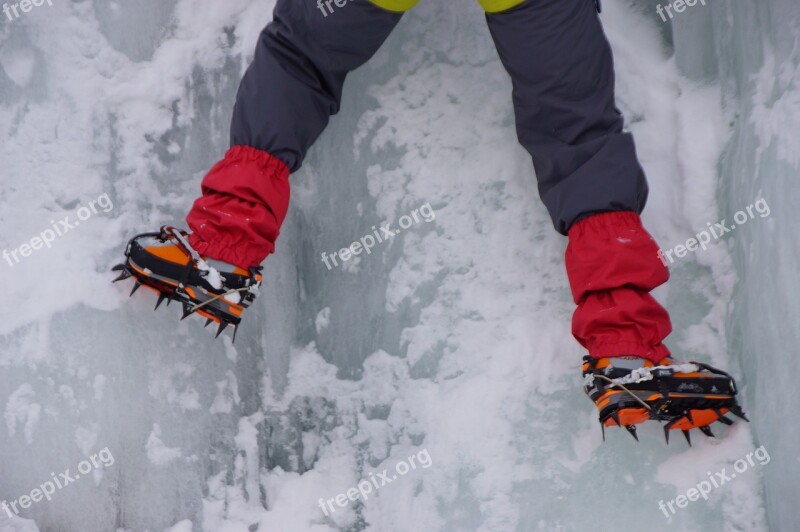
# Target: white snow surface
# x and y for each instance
(453, 337)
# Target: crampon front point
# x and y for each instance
(165, 263)
(630, 390)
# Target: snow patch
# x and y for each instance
(157, 452)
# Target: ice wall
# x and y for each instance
(131, 101)
(453, 338)
(751, 50)
(759, 62)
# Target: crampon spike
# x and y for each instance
(161, 298)
(121, 277)
(724, 420)
(603, 430)
(123, 273)
(721, 417)
(235, 330)
(688, 437)
(166, 263)
(615, 417)
(222, 325)
(666, 433)
(136, 286)
(737, 411)
(673, 422)
(707, 431)
(632, 431)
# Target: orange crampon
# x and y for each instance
(165, 263)
(629, 391)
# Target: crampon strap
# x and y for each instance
(646, 374)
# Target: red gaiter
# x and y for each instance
(244, 202)
(613, 263)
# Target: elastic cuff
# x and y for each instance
(619, 349)
(244, 202)
(232, 255)
(266, 163)
(606, 224)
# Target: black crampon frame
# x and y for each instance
(187, 283)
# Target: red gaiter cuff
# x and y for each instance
(612, 263)
(244, 202)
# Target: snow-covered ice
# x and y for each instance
(453, 337)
